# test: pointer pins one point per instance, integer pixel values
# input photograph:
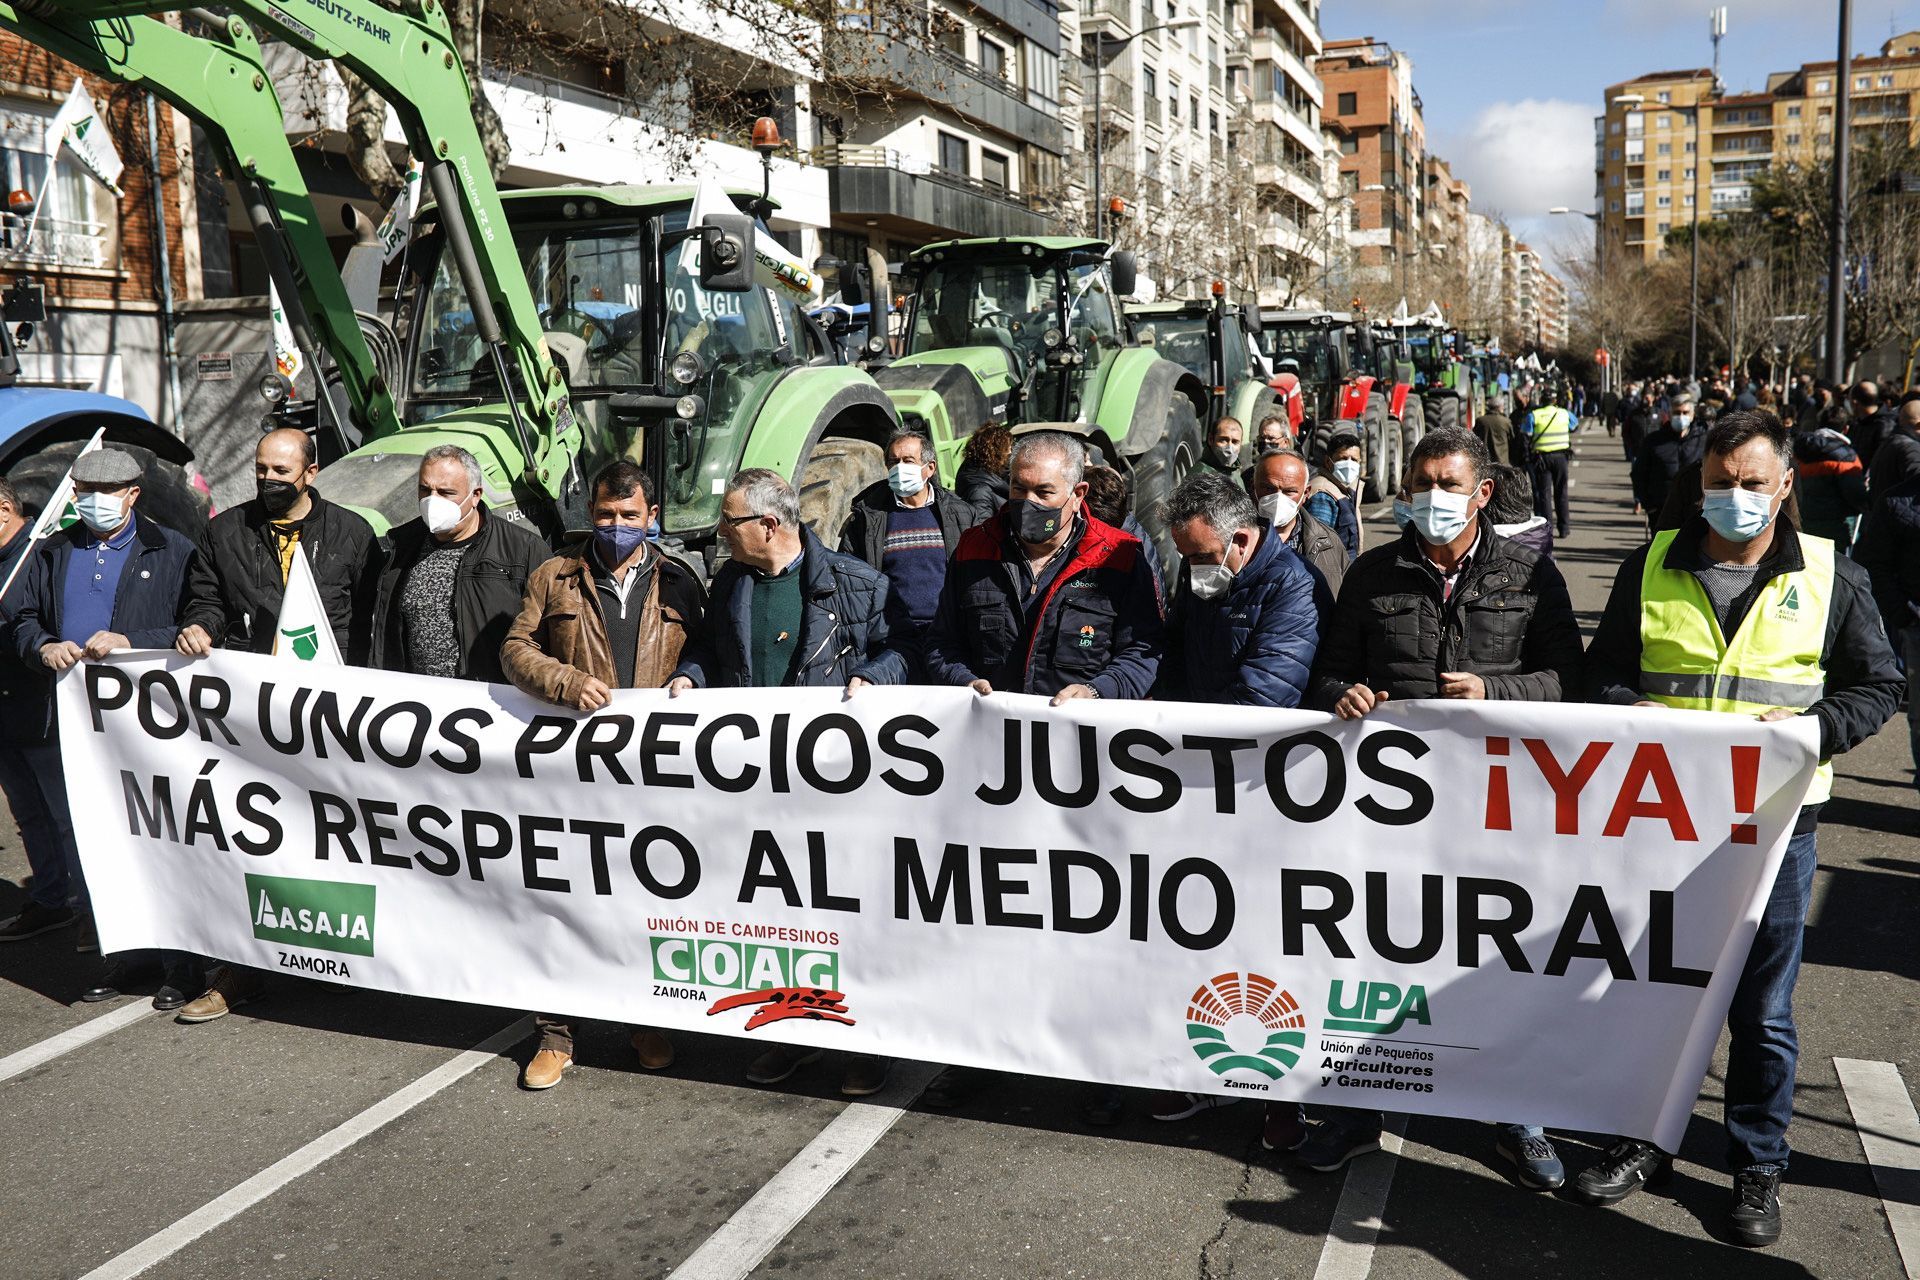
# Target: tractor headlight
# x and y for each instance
(689, 407)
(876, 345)
(685, 368)
(1053, 338)
(275, 389)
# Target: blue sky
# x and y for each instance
(1511, 86)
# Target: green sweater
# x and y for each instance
(774, 631)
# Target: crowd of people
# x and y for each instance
(1028, 576)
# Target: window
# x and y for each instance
(1862, 82)
(1349, 104)
(1613, 206)
(1823, 86)
(1173, 105)
(1663, 202)
(953, 154)
(1613, 154)
(948, 32)
(1665, 96)
(1213, 122)
(1150, 82)
(1665, 227)
(1350, 181)
(1886, 82)
(1615, 128)
(1664, 149)
(1793, 112)
(1793, 139)
(1043, 72)
(1688, 202)
(69, 229)
(1689, 148)
(1349, 145)
(1663, 175)
(994, 169)
(1193, 111)
(1690, 173)
(993, 59)
(1663, 122)
(1613, 180)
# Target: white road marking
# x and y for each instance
(168, 1241)
(1348, 1252)
(1890, 1136)
(73, 1037)
(776, 1209)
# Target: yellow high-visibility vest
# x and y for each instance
(1552, 429)
(1772, 661)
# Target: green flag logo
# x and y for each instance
(305, 642)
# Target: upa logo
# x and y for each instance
(1245, 1022)
(321, 914)
(1376, 1008)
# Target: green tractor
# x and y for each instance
(1213, 342)
(1440, 378)
(1031, 331)
(546, 332)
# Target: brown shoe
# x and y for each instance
(229, 989)
(865, 1075)
(655, 1050)
(544, 1071)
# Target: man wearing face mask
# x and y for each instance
(247, 551)
(453, 583)
(1333, 495)
(1738, 611)
(1278, 483)
(113, 580)
(610, 612)
(1663, 454)
(1449, 610)
(1224, 445)
(906, 526)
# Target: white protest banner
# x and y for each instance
(1502, 911)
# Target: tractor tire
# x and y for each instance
(167, 496)
(1314, 445)
(837, 470)
(1265, 405)
(1379, 440)
(1158, 471)
(1412, 426)
(1446, 413)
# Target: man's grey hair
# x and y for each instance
(1444, 442)
(1212, 497)
(1070, 452)
(767, 493)
(1683, 401)
(454, 453)
(1279, 451)
(10, 496)
(907, 431)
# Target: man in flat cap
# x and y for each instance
(113, 580)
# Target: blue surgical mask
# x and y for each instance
(1738, 515)
(101, 512)
(1402, 513)
(615, 542)
(1440, 515)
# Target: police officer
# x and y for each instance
(1549, 431)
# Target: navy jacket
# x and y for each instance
(1889, 551)
(843, 629)
(1098, 625)
(1831, 481)
(146, 606)
(1253, 646)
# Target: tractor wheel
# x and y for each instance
(1379, 436)
(1412, 426)
(1446, 413)
(1265, 405)
(166, 495)
(1317, 436)
(836, 471)
(1160, 469)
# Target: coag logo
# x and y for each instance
(321, 914)
(741, 966)
(1243, 1021)
(1380, 1008)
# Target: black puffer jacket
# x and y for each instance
(1509, 621)
(486, 594)
(236, 589)
(981, 489)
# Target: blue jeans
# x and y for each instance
(1765, 1044)
(1912, 652)
(36, 792)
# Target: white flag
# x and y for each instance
(79, 126)
(773, 266)
(287, 360)
(57, 514)
(303, 630)
(397, 226)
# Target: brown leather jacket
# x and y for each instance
(559, 640)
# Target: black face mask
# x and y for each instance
(278, 496)
(1035, 523)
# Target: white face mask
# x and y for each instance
(101, 512)
(1278, 510)
(1209, 581)
(905, 479)
(442, 515)
(1347, 472)
(1440, 515)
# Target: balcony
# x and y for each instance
(1114, 17)
(940, 76)
(1152, 112)
(917, 198)
(54, 242)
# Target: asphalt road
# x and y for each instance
(249, 1147)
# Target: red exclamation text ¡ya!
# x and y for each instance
(1746, 788)
(1499, 808)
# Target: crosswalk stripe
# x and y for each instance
(168, 1241)
(1889, 1132)
(1348, 1251)
(72, 1038)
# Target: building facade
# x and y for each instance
(1376, 117)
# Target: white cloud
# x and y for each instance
(1523, 158)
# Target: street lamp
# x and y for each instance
(1636, 102)
(1102, 46)
(1842, 149)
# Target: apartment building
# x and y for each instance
(1647, 159)
(1280, 130)
(1540, 314)
(1375, 114)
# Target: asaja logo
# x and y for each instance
(1245, 1022)
(321, 914)
(304, 640)
(1379, 1008)
(1789, 605)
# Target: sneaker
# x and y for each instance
(1331, 1147)
(229, 988)
(33, 921)
(1284, 1128)
(1754, 1217)
(865, 1075)
(654, 1049)
(781, 1061)
(545, 1069)
(1536, 1164)
(1628, 1165)
(1178, 1106)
